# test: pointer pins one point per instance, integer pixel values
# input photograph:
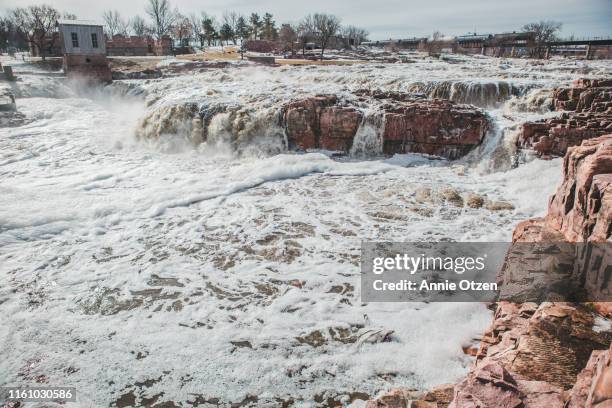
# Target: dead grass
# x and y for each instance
(228, 54)
(231, 53)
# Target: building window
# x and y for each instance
(94, 40)
(75, 40)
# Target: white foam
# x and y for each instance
(259, 248)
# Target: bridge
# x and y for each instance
(586, 41)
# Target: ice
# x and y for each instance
(129, 267)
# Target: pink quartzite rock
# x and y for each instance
(582, 206)
(550, 355)
(593, 388)
(338, 127)
(588, 114)
(436, 127)
(302, 120)
(550, 343)
(600, 394)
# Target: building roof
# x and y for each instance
(473, 37)
(522, 34)
(80, 23)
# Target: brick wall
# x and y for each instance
(121, 45)
(90, 67)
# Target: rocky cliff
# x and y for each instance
(377, 122)
(587, 113)
(554, 354)
(409, 124)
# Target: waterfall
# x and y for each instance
(497, 152)
(368, 141)
(483, 94)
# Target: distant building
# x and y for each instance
(473, 40)
(414, 43)
(84, 50)
(524, 38)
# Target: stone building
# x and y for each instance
(84, 50)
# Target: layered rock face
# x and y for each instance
(551, 355)
(436, 127)
(587, 107)
(581, 209)
(321, 123)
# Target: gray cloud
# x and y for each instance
(388, 18)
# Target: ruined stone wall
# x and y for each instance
(260, 46)
(87, 67)
(120, 45)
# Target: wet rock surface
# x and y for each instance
(581, 209)
(587, 113)
(397, 122)
(552, 354)
(9, 116)
(411, 124)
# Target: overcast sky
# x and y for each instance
(385, 18)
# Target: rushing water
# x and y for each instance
(164, 269)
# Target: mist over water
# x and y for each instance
(137, 253)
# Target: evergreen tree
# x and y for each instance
(242, 29)
(269, 31)
(226, 33)
(255, 25)
(209, 30)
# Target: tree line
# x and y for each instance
(232, 27)
(33, 24)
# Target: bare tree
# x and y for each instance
(182, 30)
(114, 23)
(435, 45)
(306, 32)
(326, 26)
(288, 36)
(162, 15)
(35, 23)
(543, 33)
(196, 28)
(354, 36)
(140, 27)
